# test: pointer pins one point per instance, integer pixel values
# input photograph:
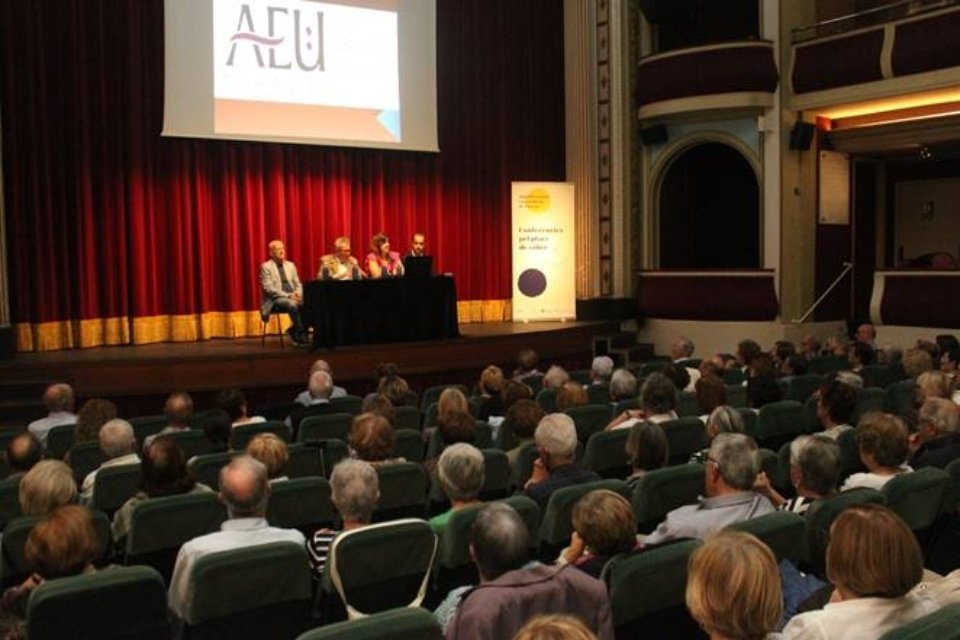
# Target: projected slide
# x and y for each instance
(358, 73)
(306, 69)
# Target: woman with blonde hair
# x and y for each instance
(733, 587)
(48, 485)
(555, 627)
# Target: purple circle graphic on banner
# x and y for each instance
(532, 283)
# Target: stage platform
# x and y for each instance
(136, 376)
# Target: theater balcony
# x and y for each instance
(731, 76)
(894, 51)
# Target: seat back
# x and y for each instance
(403, 491)
(660, 491)
(877, 375)
(73, 607)
(918, 497)
(901, 397)
(84, 458)
(943, 624)
(547, 399)
(160, 526)
(826, 364)
(192, 442)
(850, 461)
(651, 582)
(366, 584)
(431, 414)
(205, 469)
(278, 411)
(749, 421)
(144, 426)
(497, 475)
(113, 486)
(252, 593)
(606, 454)
(780, 422)
(331, 426)
(332, 452)
(625, 405)
(15, 535)
(589, 419)
(953, 470)
(243, 434)
(737, 396)
(800, 388)
(303, 461)
(394, 624)
(348, 404)
(9, 500)
(820, 516)
(868, 399)
(685, 436)
(782, 531)
(59, 441)
(523, 466)
(556, 526)
(300, 503)
(687, 406)
(408, 444)
(407, 418)
(598, 394)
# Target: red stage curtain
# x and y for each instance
(117, 235)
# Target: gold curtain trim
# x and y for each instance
(98, 332)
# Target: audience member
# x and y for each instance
(555, 377)
(571, 394)
(762, 390)
(874, 562)
(930, 347)
(658, 401)
(795, 365)
(810, 347)
(451, 400)
(603, 527)
(937, 441)
(711, 393)
(933, 384)
(119, 445)
(949, 362)
(513, 392)
(782, 350)
(601, 368)
(681, 350)
(915, 362)
(48, 485)
(761, 366)
(94, 413)
(556, 439)
(455, 427)
(461, 474)
(394, 387)
(306, 397)
(723, 419)
(815, 466)
(680, 376)
(178, 410)
(861, 355)
(234, 402)
(836, 346)
(747, 351)
(58, 399)
(647, 450)
(729, 476)
(163, 472)
(555, 627)
(271, 451)
(509, 594)
(733, 587)
(836, 402)
(884, 445)
(23, 452)
(380, 405)
(519, 426)
(355, 492)
(866, 334)
(371, 440)
(490, 388)
(320, 391)
(218, 428)
(623, 385)
(526, 362)
(244, 490)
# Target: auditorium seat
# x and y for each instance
(626, 405)
(733, 377)
(113, 486)
(325, 427)
(687, 406)
(556, 525)
(647, 592)
(206, 468)
(662, 490)
(580, 375)
(877, 375)
(15, 569)
(484, 440)
(589, 419)
(782, 531)
(780, 422)
(121, 603)
(331, 452)
(300, 503)
(943, 624)
(241, 435)
(303, 461)
(395, 624)
(381, 566)
(598, 394)
(827, 364)
(901, 397)
(850, 461)
(403, 491)
(160, 526)
(278, 411)
(953, 470)
(547, 399)
(799, 388)
(407, 418)
(497, 482)
(749, 421)
(144, 426)
(781, 480)
(737, 396)
(9, 500)
(59, 441)
(685, 436)
(820, 516)
(192, 442)
(868, 399)
(524, 464)
(85, 457)
(606, 454)
(348, 404)
(252, 593)
(918, 497)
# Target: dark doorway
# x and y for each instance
(709, 210)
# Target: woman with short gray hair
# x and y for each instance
(723, 419)
(815, 465)
(355, 494)
(461, 473)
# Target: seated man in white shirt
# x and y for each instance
(307, 397)
(58, 399)
(119, 444)
(244, 490)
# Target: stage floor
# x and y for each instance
(212, 365)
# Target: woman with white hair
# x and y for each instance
(461, 473)
(355, 494)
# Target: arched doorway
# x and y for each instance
(709, 210)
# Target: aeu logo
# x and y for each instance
(289, 36)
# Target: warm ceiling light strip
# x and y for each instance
(897, 115)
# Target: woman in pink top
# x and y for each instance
(381, 262)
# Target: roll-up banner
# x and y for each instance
(544, 251)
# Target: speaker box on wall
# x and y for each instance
(657, 134)
(801, 135)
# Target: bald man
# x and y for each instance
(58, 399)
(244, 491)
(281, 291)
